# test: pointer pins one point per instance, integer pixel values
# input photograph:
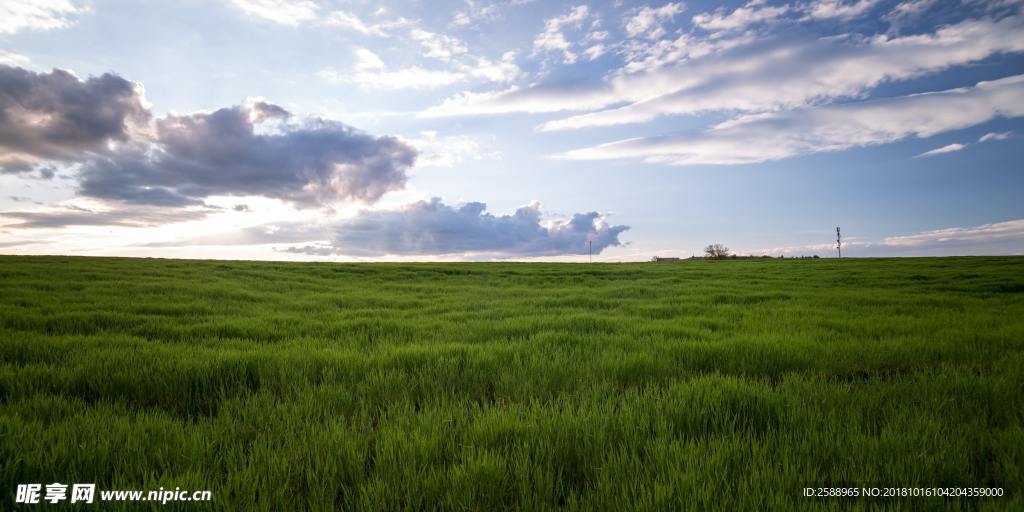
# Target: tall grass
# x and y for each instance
(695, 385)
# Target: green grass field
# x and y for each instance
(725, 385)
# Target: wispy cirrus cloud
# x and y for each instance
(1005, 237)
(64, 216)
(285, 12)
(828, 9)
(949, 148)
(775, 74)
(751, 13)
(787, 75)
(13, 59)
(995, 232)
(353, 22)
(773, 136)
(437, 150)
(38, 15)
(952, 148)
(995, 136)
(370, 70)
(307, 12)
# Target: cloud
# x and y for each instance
(447, 151)
(462, 64)
(650, 56)
(995, 136)
(232, 152)
(474, 11)
(595, 51)
(102, 129)
(772, 75)
(432, 227)
(285, 12)
(552, 38)
(16, 16)
(13, 59)
(827, 9)
(907, 11)
(438, 46)
(55, 218)
(773, 136)
(752, 13)
(649, 22)
(57, 116)
(296, 12)
(957, 146)
(1009, 230)
(986, 239)
(542, 98)
(786, 75)
(950, 148)
(370, 71)
(352, 22)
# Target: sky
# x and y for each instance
(351, 130)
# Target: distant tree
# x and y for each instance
(716, 251)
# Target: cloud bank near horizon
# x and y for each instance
(433, 227)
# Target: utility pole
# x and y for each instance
(839, 242)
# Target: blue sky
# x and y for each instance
(356, 130)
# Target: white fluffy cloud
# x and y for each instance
(553, 39)
(650, 22)
(772, 136)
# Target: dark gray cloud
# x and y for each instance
(432, 227)
(229, 152)
(57, 116)
(252, 149)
